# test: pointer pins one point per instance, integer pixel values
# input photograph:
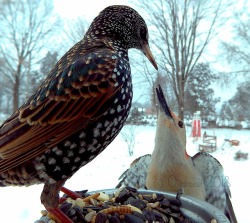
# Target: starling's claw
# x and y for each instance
(70, 193)
(60, 216)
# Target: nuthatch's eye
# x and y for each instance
(180, 123)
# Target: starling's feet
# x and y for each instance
(50, 199)
(59, 215)
(70, 193)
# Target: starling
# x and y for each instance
(170, 168)
(78, 110)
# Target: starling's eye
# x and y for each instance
(143, 33)
(180, 123)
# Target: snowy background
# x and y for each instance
(22, 204)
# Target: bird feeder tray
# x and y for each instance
(140, 205)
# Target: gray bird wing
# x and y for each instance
(136, 175)
(215, 182)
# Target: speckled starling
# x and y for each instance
(79, 108)
(170, 167)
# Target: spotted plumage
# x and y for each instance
(78, 110)
(170, 167)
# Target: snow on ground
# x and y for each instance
(22, 204)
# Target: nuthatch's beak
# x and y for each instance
(146, 50)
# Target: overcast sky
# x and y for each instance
(87, 8)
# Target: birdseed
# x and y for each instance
(127, 205)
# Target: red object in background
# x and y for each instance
(196, 125)
(196, 128)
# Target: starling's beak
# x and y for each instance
(163, 102)
(146, 50)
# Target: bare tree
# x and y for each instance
(25, 28)
(182, 30)
(238, 51)
(74, 31)
(128, 134)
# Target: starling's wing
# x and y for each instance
(136, 175)
(65, 103)
(215, 182)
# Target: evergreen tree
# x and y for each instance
(199, 96)
(226, 111)
(48, 62)
(237, 108)
(134, 116)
